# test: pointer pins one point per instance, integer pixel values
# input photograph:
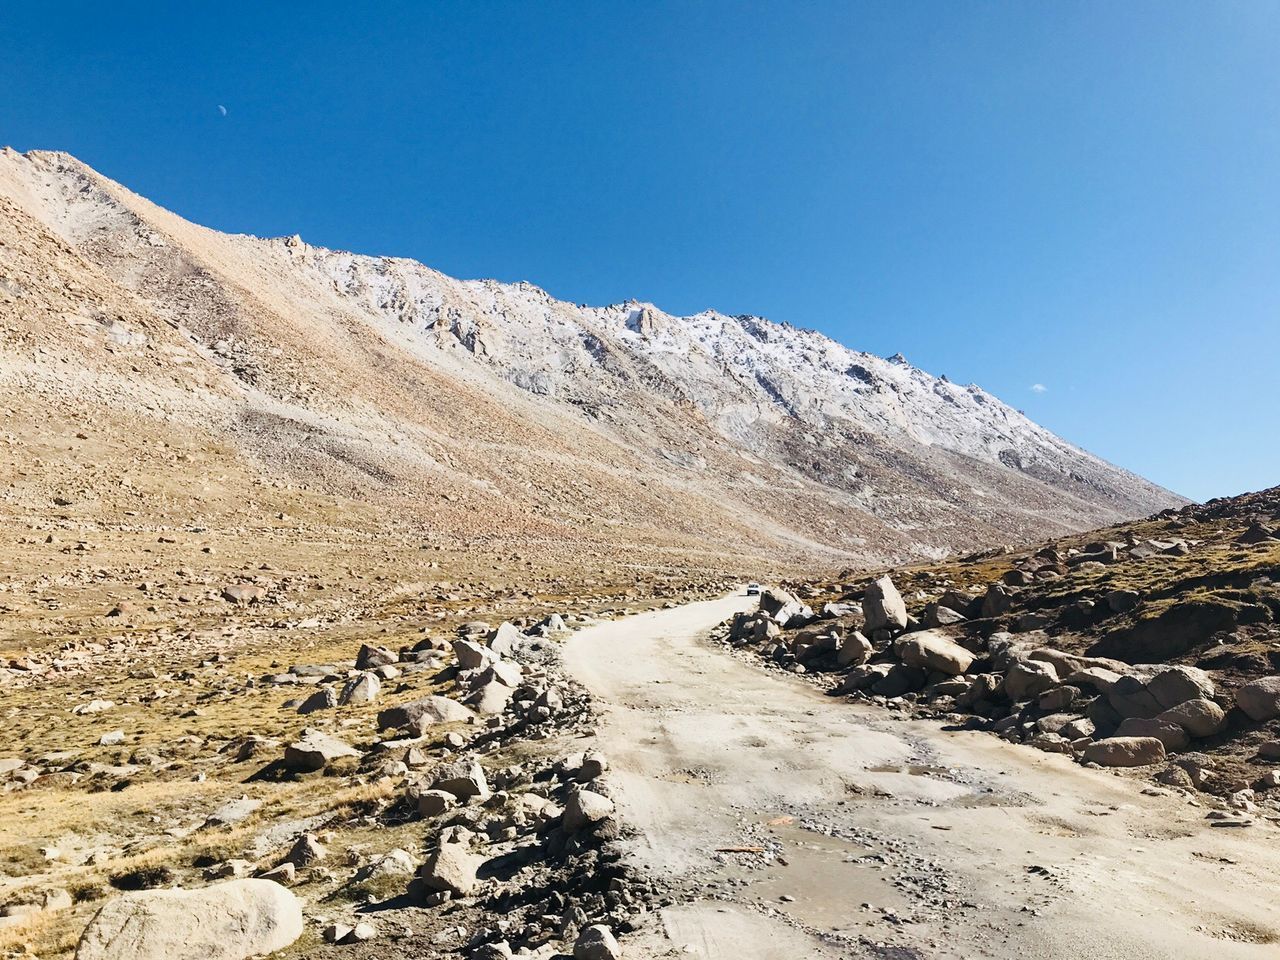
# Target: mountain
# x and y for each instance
(205, 368)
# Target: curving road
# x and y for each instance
(892, 838)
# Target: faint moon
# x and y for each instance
(222, 111)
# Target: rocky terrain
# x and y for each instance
(434, 794)
(317, 583)
(1151, 645)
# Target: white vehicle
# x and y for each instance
(753, 589)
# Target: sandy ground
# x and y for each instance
(893, 838)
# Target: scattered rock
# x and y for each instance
(596, 942)
(934, 650)
(243, 593)
(1199, 717)
(1260, 699)
(363, 688)
(1125, 752)
(417, 715)
(464, 780)
(315, 750)
(451, 868)
(586, 808)
(883, 607)
(225, 921)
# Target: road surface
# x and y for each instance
(892, 838)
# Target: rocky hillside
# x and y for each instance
(207, 367)
(1151, 645)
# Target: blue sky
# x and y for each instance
(1080, 195)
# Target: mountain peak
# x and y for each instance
(380, 380)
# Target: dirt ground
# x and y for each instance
(866, 835)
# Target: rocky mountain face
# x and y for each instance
(492, 410)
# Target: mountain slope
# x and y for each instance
(478, 409)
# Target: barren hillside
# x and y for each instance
(213, 374)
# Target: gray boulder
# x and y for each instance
(596, 942)
(1125, 752)
(933, 650)
(1172, 735)
(225, 921)
(998, 600)
(471, 655)
(899, 680)
(1200, 717)
(1129, 697)
(370, 657)
(324, 699)
(464, 779)
(1179, 684)
(491, 698)
(883, 607)
(416, 715)
(363, 688)
(505, 639)
(854, 650)
(315, 750)
(451, 868)
(1260, 699)
(1026, 679)
(586, 808)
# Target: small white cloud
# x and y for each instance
(1039, 388)
(222, 111)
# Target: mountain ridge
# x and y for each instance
(746, 432)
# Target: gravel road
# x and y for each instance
(792, 824)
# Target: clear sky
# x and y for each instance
(1074, 204)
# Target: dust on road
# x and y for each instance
(892, 838)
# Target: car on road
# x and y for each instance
(753, 589)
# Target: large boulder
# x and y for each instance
(899, 680)
(1098, 679)
(505, 639)
(362, 688)
(372, 657)
(464, 779)
(596, 943)
(933, 650)
(774, 599)
(998, 600)
(938, 615)
(753, 628)
(784, 608)
(1200, 718)
(225, 921)
(315, 750)
(1173, 735)
(1125, 752)
(585, 808)
(416, 715)
(1129, 697)
(471, 655)
(491, 699)
(451, 868)
(1027, 679)
(883, 607)
(324, 699)
(1177, 685)
(854, 650)
(1260, 699)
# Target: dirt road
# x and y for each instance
(893, 838)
